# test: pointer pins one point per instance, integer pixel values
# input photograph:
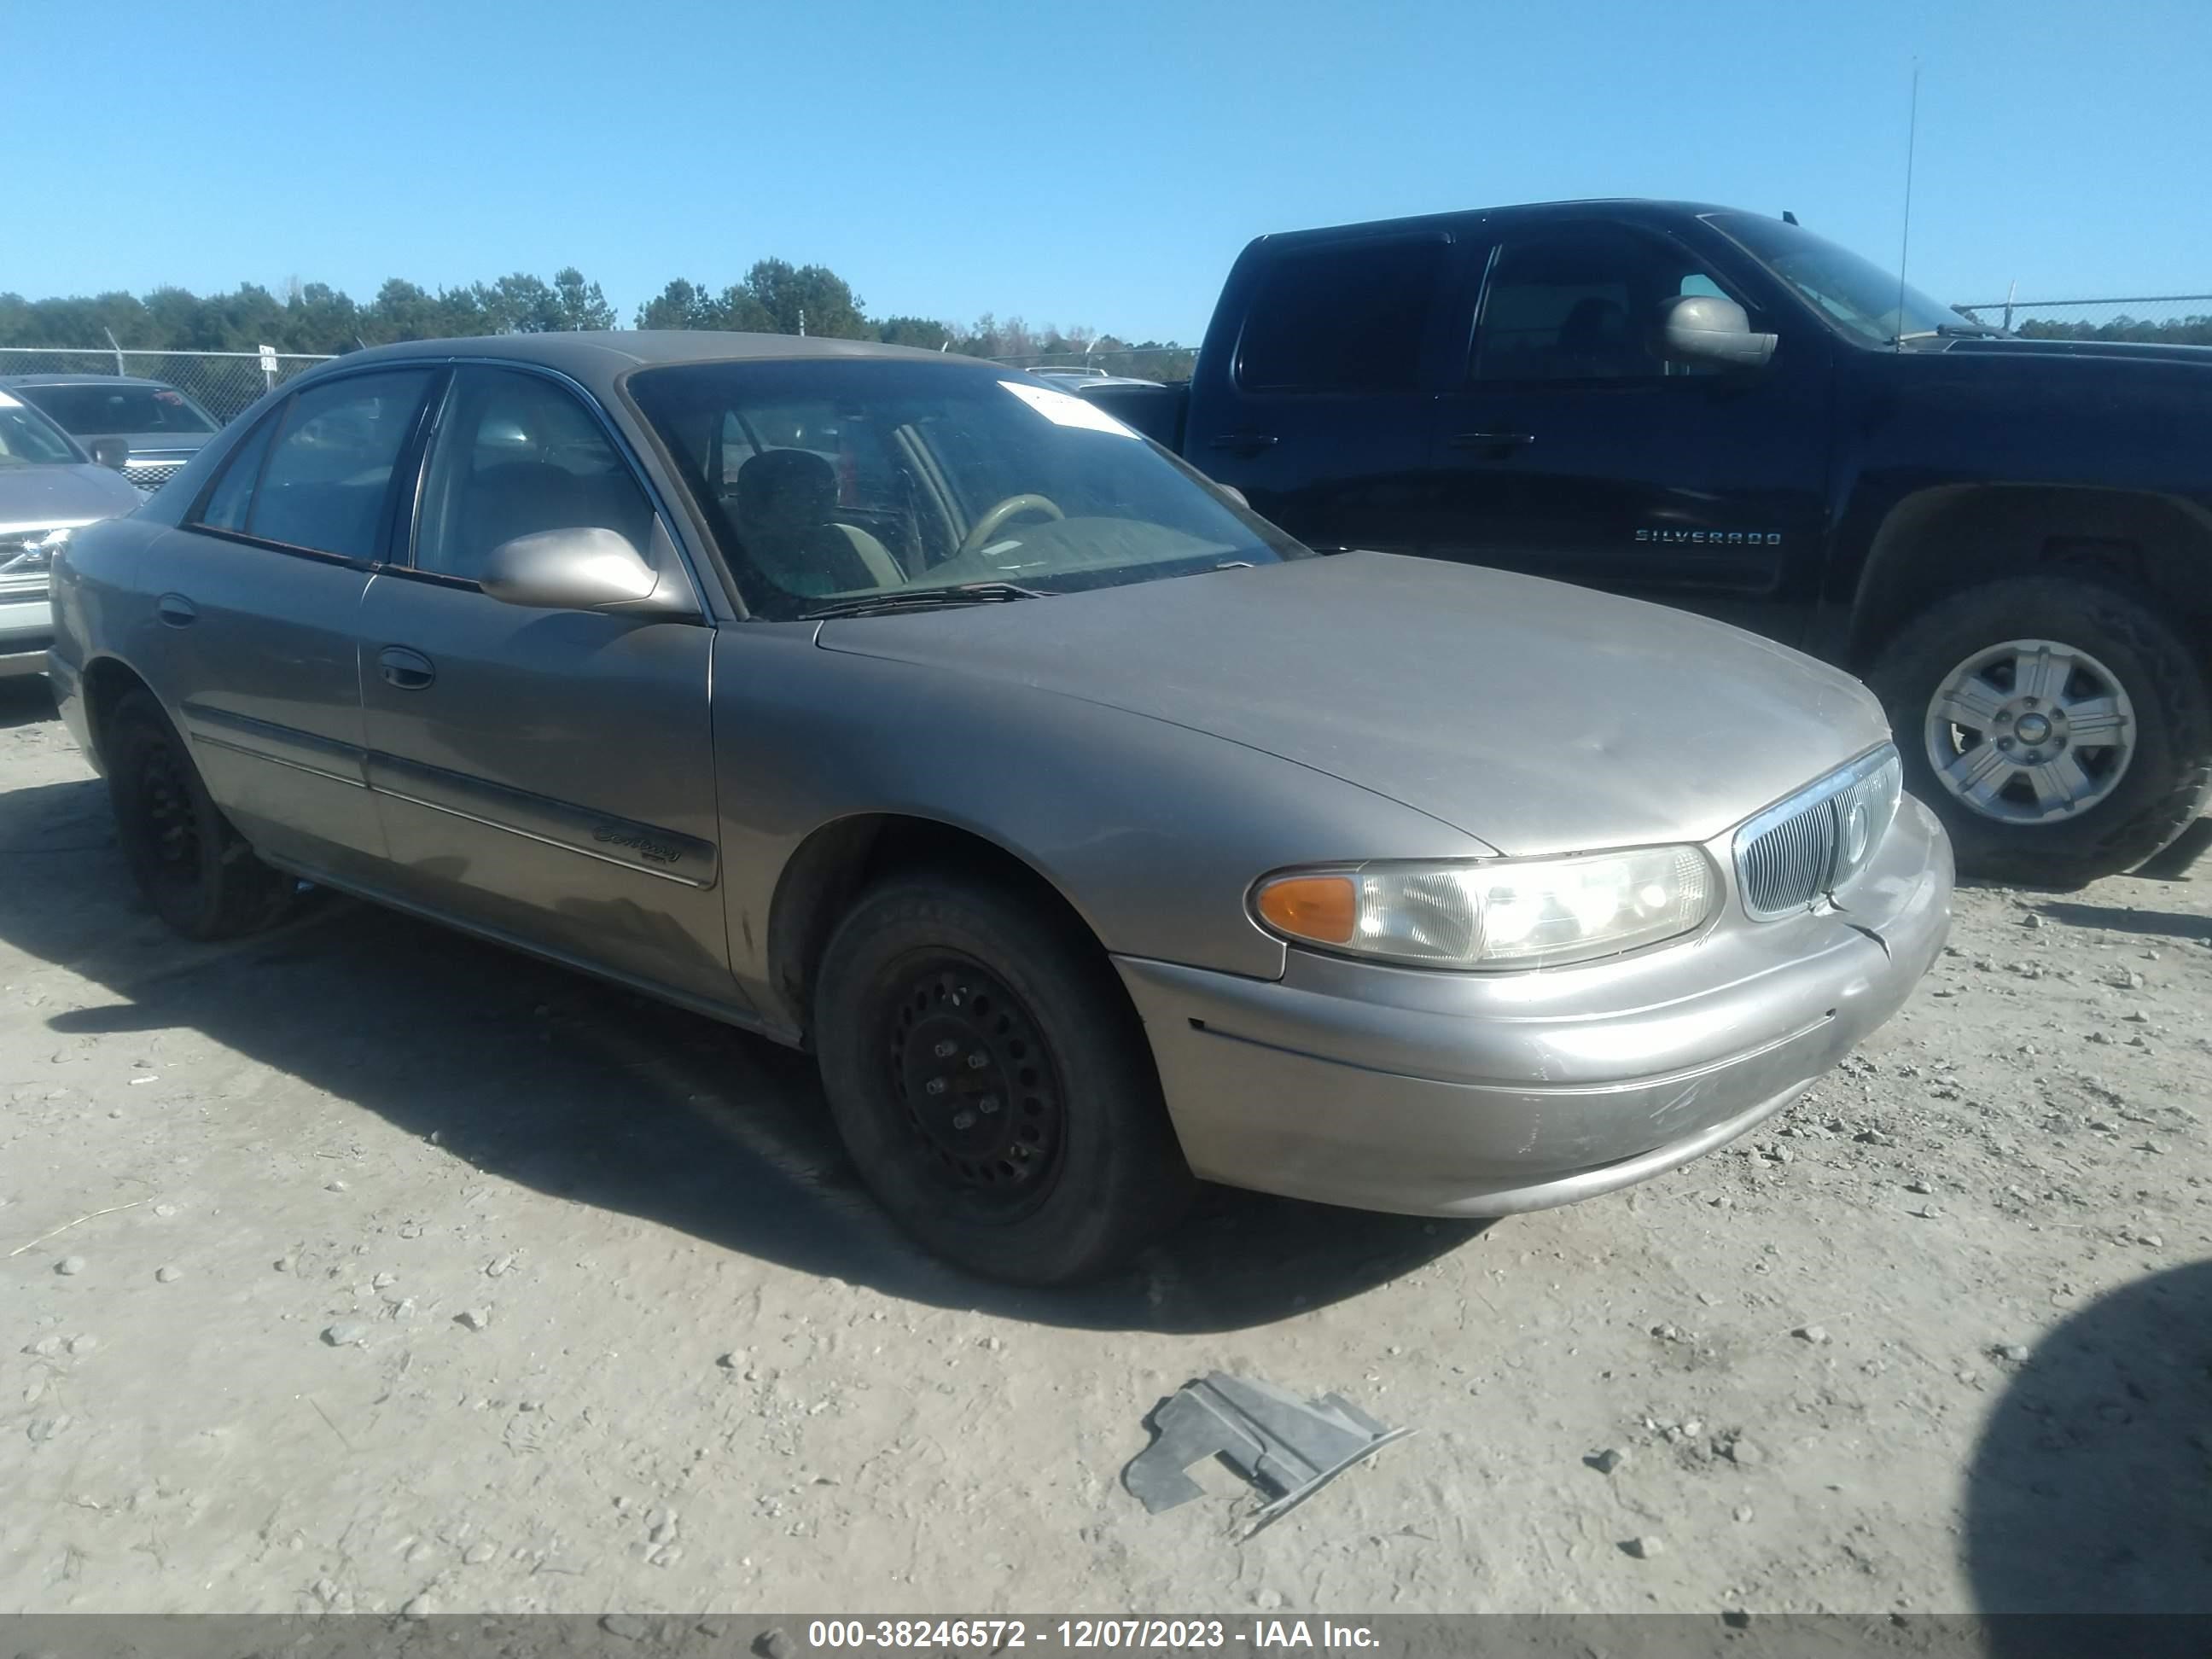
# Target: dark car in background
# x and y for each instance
(152, 428)
(2010, 539)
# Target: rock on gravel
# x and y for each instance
(69, 1266)
(168, 1275)
(473, 1319)
(1646, 1548)
(346, 1334)
(1814, 1333)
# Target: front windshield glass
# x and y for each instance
(830, 481)
(26, 440)
(1857, 294)
(89, 408)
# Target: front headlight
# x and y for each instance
(1493, 913)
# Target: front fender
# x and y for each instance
(1154, 832)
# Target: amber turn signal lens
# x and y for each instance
(1323, 908)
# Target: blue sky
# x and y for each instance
(1072, 162)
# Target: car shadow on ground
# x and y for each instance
(2089, 1491)
(25, 700)
(592, 1093)
(2154, 924)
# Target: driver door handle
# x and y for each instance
(1244, 443)
(411, 671)
(176, 610)
(1492, 439)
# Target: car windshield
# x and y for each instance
(28, 440)
(88, 408)
(829, 482)
(1855, 294)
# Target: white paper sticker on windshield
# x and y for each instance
(7, 402)
(1062, 409)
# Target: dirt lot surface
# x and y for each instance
(412, 1272)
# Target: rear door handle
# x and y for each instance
(1492, 439)
(176, 610)
(411, 671)
(1243, 443)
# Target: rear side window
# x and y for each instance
(1345, 317)
(326, 483)
(232, 497)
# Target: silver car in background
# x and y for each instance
(146, 430)
(1094, 835)
(49, 490)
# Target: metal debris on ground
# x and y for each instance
(1287, 1447)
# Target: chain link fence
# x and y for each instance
(2167, 319)
(222, 382)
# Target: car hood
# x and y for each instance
(2122, 350)
(64, 495)
(158, 443)
(1535, 716)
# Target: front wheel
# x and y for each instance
(2060, 729)
(991, 1083)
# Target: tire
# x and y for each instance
(993, 1085)
(2137, 794)
(193, 867)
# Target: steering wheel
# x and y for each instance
(979, 537)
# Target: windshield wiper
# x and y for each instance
(924, 598)
(1947, 332)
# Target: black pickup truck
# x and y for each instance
(2010, 539)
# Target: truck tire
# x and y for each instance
(994, 1088)
(193, 867)
(2060, 728)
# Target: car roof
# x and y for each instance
(83, 380)
(1626, 206)
(599, 360)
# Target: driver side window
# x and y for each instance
(1583, 303)
(515, 454)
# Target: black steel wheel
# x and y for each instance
(194, 868)
(992, 1082)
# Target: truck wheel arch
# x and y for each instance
(1942, 539)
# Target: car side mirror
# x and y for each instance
(114, 453)
(1704, 328)
(584, 568)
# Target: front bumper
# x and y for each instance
(1434, 1093)
(26, 629)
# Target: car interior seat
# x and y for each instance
(785, 498)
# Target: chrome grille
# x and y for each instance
(1786, 867)
(1801, 850)
(151, 475)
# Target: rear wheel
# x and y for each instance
(2060, 728)
(196, 870)
(993, 1083)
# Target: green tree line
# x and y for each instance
(774, 297)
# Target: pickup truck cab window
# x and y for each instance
(1300, 335)
(1582, 303)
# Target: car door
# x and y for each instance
(1326, 424)
(257, 595)
(548, 776)
(1573, 448)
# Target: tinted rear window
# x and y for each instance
(89, 409)
(1346, 317)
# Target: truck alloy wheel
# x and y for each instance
(2029, 731)
(2060, 728)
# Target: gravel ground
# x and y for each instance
(402, 1272)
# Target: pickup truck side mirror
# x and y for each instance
(578, 569)
(1704, 328)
